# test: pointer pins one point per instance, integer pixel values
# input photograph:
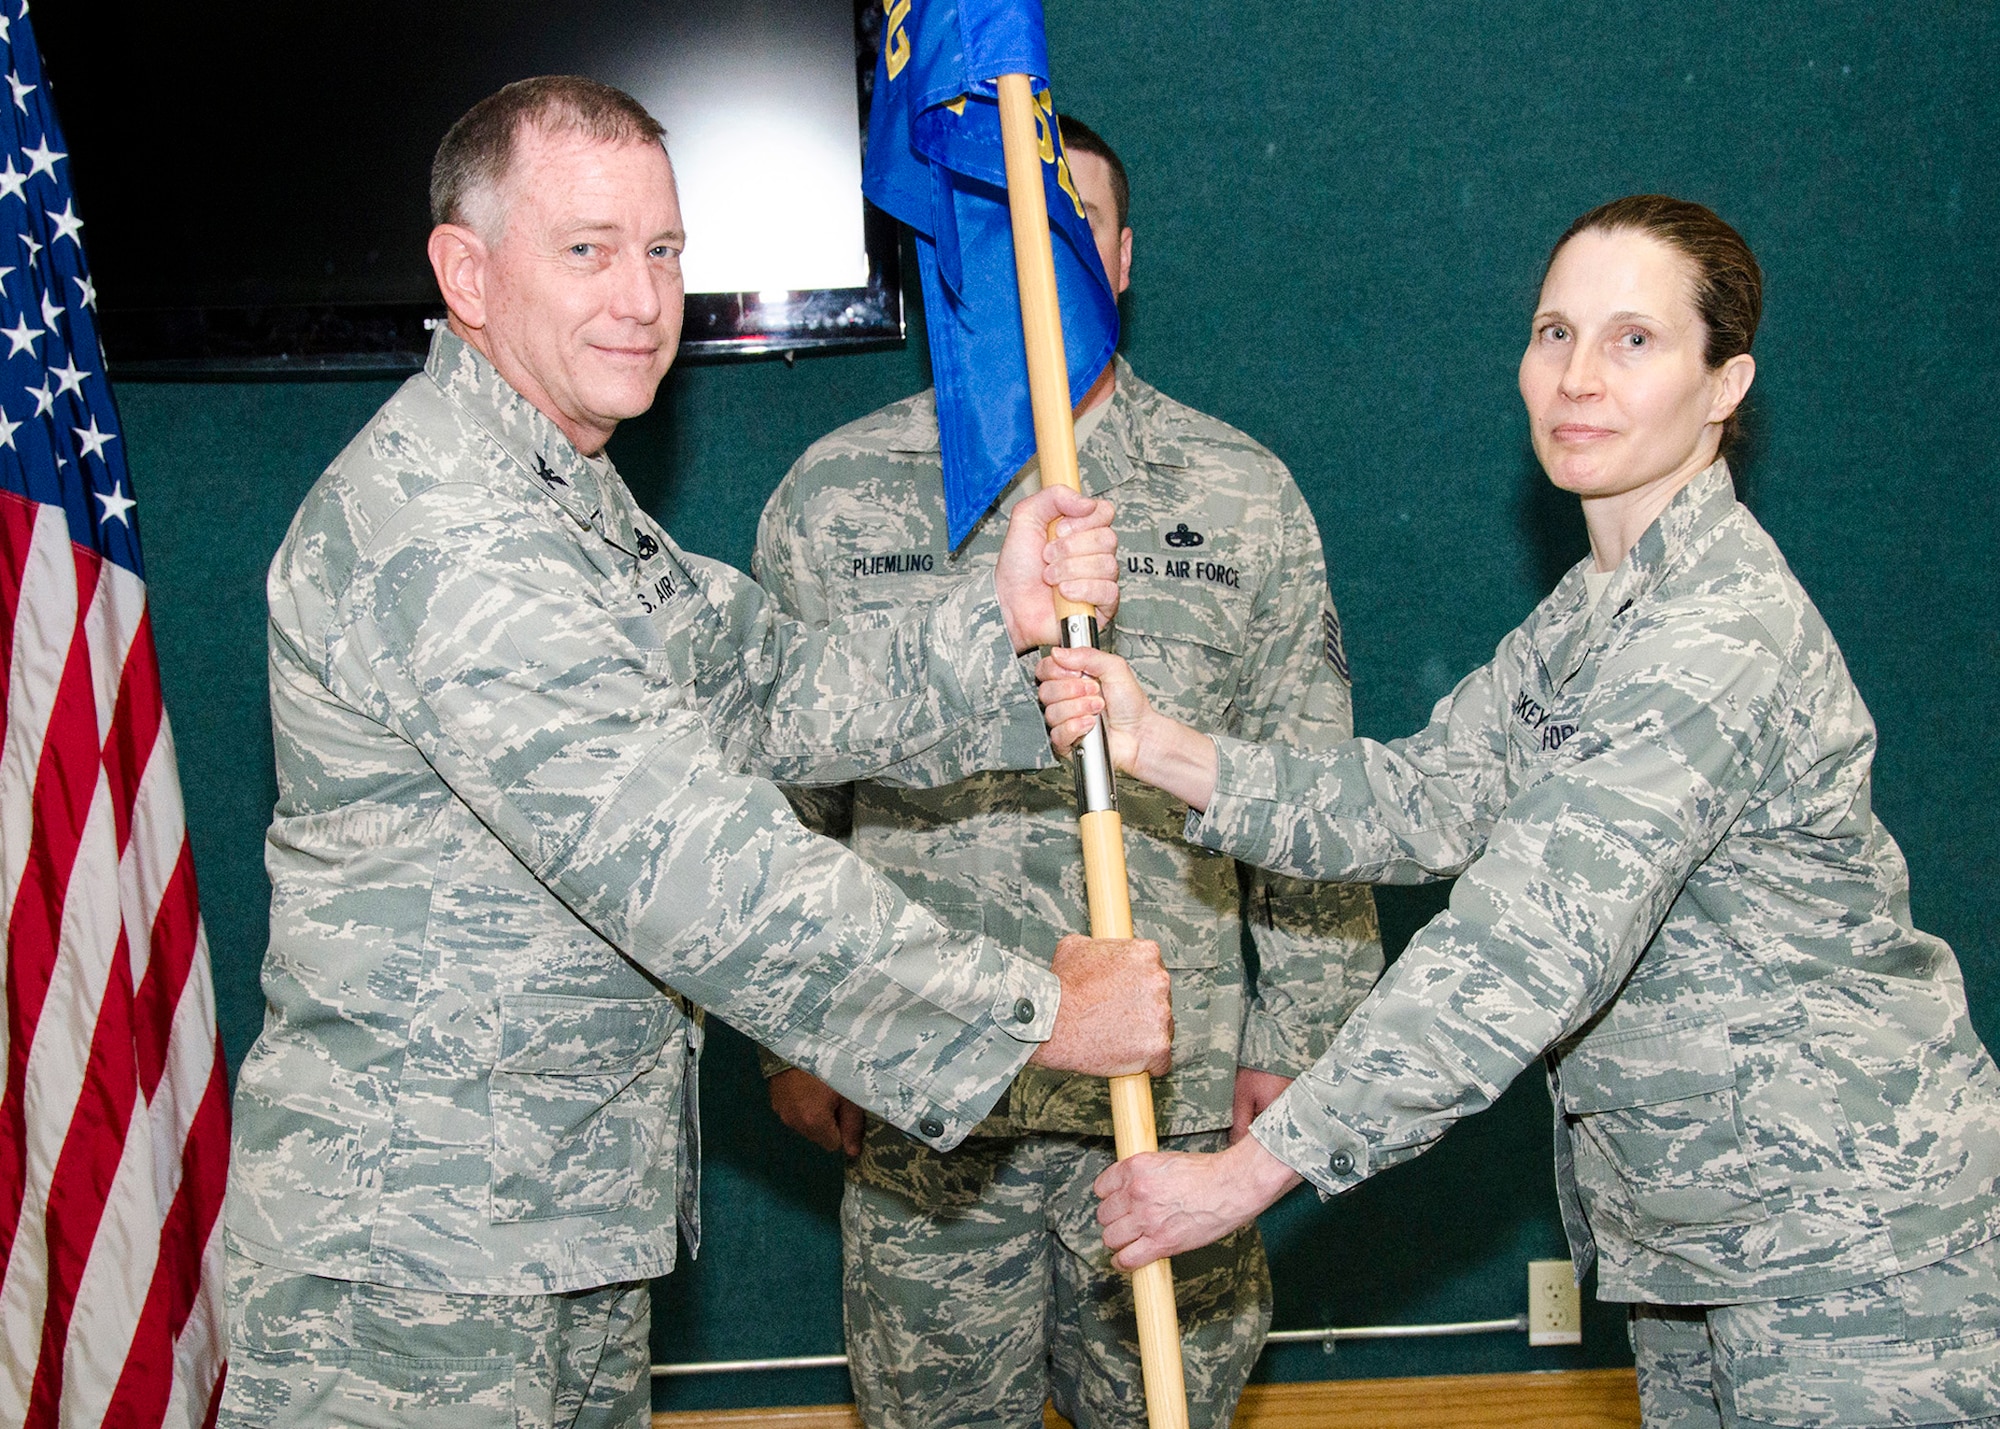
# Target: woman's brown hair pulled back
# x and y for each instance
(1728, 284)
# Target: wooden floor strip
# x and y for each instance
(1563, 1399)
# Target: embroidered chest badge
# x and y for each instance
(1541, 722)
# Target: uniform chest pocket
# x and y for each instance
(688, 646)
(1186, 642)
(583, 1100)
(1653, 1119)
(663, 630)
(887, 586)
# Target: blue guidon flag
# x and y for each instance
(935, 162)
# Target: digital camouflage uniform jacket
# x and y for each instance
(517, 731)
(1224, 612)
(1671, 879)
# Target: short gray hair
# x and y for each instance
(476, 155)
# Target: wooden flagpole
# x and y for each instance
(1097, 818)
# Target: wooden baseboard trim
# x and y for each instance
(813, 1416)
(1556, 1399)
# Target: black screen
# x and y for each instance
(253, 178)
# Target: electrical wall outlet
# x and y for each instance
(1555, 1310)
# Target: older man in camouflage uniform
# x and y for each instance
(976, 1285)
(518, 839)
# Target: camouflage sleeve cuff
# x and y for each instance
(1025, 1007)
(1239, 818)
(930, 1034)
(770, 1063)
(1313, 1142)
(993, 684)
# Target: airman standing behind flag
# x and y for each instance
(1226, 606)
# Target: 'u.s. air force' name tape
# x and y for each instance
(1177, 568)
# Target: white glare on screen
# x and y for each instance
(764, 129)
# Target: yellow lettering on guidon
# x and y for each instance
(1045, 137)
(896, 47)
(1045, 129)
(1068, 186)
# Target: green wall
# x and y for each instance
(1341, 212)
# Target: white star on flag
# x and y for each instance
(68, 225)
(84, 286)
(7, 430)
(23, 337)
(21, 91)
(116, 503)
(71, 377)
(45, 400)
(42, 160)
(51, 310)
(91, 440)
(12, 181)
(34, 248)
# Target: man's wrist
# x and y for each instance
(1021, 644)
(1259, 1176)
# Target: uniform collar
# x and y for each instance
(1140, 420)
(1134, 431)
(1664, 547)
(915, 432)
(1695, 511)
(544, 458)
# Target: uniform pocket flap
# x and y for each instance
(1187, 612)
(1646, 1066)
(550, 1033)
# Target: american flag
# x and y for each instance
(114, 1121)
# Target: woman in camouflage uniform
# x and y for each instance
(1777, 1133)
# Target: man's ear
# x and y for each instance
(1124, 279)
(459, 259)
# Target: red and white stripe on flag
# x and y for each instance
(114, 1114)
(114, 1137)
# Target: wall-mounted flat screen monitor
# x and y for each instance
(254, 178)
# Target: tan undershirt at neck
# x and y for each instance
(1594, 582)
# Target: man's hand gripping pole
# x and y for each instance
(1097, 818)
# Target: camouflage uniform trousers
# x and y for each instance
(977, 1287)
(311, 1353)
(1920, 1348)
